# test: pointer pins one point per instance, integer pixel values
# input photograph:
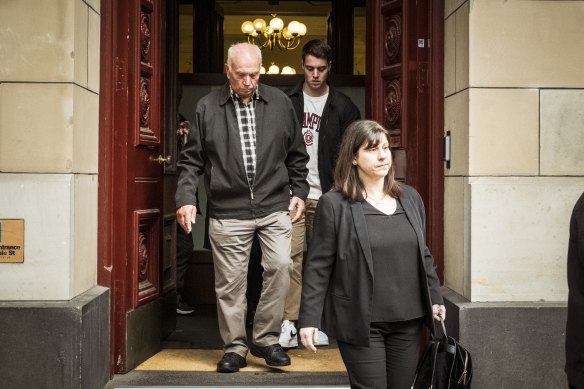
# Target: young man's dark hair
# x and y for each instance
(317, 48)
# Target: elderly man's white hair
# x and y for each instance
(242, 46)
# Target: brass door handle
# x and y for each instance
(160, 159)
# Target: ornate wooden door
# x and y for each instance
(405, 85)
(131, 171)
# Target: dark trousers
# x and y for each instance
(184, 253)
(390, 360)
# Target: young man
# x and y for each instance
(324, 113)
(245, 140)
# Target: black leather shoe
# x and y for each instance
(274, 354)
(231, 363)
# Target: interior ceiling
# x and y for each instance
(313, 14)
(252, 7)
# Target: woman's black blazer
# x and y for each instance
(338, 272)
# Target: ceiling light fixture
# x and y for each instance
(274, 34)
(275, 69)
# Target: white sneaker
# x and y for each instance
(322, 339)
(289, 335)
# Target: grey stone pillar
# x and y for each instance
(512, 344)
(55, 344)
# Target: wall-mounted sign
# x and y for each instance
(12, 240)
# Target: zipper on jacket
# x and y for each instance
(250, 189)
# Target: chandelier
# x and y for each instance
(274, 34)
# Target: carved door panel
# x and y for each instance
(131, 171)
(405, 82)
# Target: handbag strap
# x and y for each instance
(445, 343)
(443, 328)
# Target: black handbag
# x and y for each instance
(445, 364)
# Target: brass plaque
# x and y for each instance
(12, 240)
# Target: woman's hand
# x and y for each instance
(309, 336)
(439, 312)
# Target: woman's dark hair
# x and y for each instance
(366, 133)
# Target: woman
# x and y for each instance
(368, 266)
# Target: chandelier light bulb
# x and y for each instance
(273, 69)
(259, 24)
(302, 30)
(288, 70)
(247, 28)
(262, 70)
(276, 24)
(286, 33)
(294, 28)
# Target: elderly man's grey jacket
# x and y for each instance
(214, 148)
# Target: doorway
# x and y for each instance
(138, 109)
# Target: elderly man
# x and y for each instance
(246, 140)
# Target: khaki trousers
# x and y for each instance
(231, 244)
(301, 231)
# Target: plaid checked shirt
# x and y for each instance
(247, 132)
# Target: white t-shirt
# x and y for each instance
(313, 107)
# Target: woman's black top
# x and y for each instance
(396, 277)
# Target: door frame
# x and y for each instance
(112, 187)
(109, 246)
(419, 155)
(131, 274)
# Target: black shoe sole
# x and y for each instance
(220, 370)
(225, 370)
(231, 368)
(268, 361)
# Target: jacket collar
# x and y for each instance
(225, 94)
(362, 234)
(413, 217)
(297, 89)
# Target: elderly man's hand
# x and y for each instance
(298, 204)
(185, 216)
